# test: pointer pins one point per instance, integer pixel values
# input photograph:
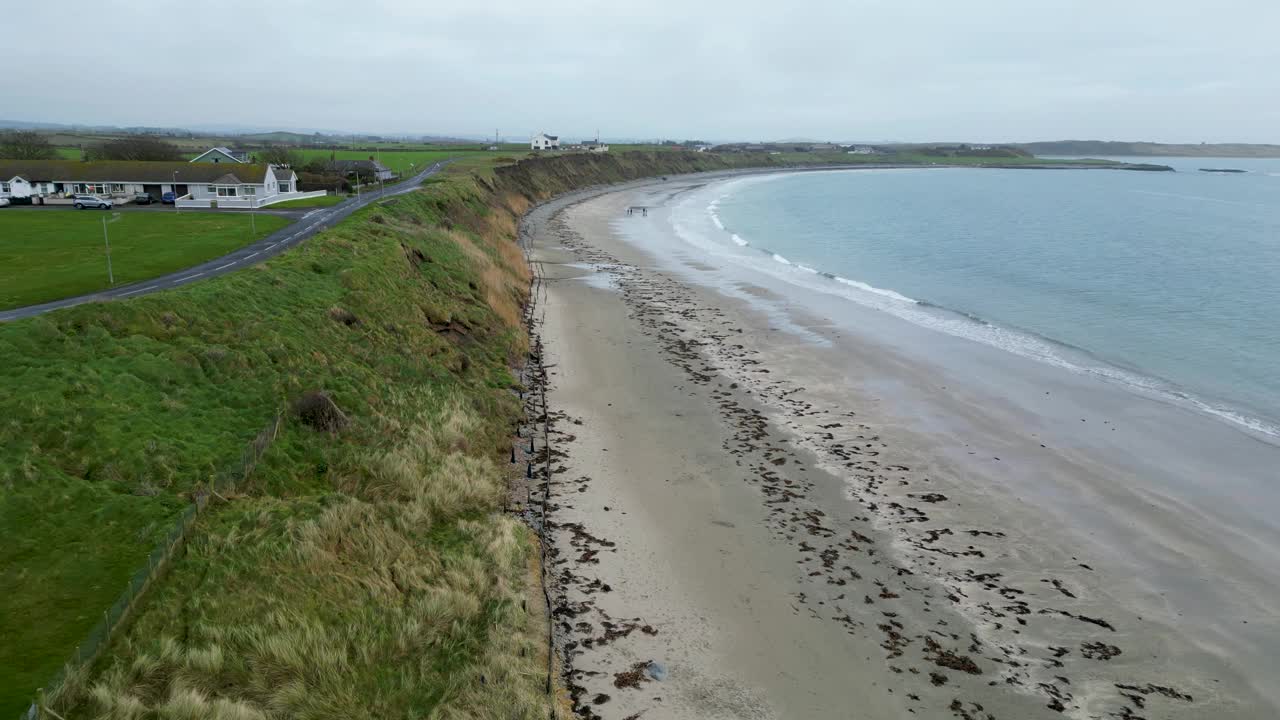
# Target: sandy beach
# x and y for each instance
(767, 504)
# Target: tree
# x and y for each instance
(25, 145)
(280, 155)
(318, 165)
(134, 147)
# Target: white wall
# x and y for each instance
(201, 191)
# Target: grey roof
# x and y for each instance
(131, 171)
(239, 155)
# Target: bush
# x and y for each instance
(317, 410)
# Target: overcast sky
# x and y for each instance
(916, 70)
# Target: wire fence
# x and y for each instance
(75, 669)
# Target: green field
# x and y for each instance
(398, 160)
(49, 254)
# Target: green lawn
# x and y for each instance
(51, 254)
(324, 201)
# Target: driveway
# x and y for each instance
(310, 221)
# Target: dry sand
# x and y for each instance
(741, 528)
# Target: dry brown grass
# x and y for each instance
(505, 282)
(404, 602)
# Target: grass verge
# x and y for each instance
(322, 201)
(51, 254)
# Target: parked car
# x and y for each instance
(143, 199)
(4, 202)
(168, 198)
(91, 201)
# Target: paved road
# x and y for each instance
(310, 223)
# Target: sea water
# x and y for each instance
(1165, 282)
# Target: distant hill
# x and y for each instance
(1148, 149)
(281, 136)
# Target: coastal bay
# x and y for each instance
(805, 509)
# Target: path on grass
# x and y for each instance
(310, 223)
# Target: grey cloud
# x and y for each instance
(910, 70)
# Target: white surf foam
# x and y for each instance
(954, 323)
(873, 289)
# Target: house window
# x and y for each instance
(248, 190)
(4, 187)
(117, 187)
(90, 188)
(210, 189)
(226, 191)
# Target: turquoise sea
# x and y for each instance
(1165, 282)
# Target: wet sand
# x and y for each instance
(757, 511)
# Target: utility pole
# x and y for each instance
(111, 278)
(175, 192)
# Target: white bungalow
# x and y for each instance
(543, 141)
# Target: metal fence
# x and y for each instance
(76, 667)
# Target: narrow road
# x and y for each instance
(309, 224)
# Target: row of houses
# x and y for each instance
(195, 185)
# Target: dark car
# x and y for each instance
(143, 199)
(168, 198)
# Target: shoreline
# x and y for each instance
(1250, 419)
(627, 337)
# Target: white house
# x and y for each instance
(15, 187)
(543, 141)
(201, 185)
(221, 155)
